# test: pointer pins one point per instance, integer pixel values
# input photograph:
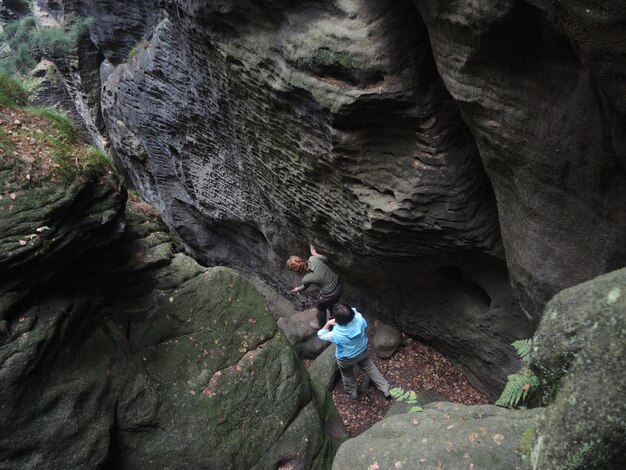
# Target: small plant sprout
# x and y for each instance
(408, 396)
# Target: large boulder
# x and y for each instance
(143, 357)
(579, 356)
(444, 435)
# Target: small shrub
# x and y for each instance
(409, 396)
(96, 163)
(26, 44)
(522, 386)
(17, 39)
(57, 42)
(12, 92)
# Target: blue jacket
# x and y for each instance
(350, 339)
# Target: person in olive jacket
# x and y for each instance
(316, 272)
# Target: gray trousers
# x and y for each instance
(346, 368)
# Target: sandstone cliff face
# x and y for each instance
(258, 128)
(544, 132)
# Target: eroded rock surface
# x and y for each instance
(258, 129)
(444, 435)
(579, 356)
(543, 133)
(129, 353)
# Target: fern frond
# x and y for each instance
(514, 390)
(523, 348)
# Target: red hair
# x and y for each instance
(297, 264)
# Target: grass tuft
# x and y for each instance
(12, 92)
(96, 163)
(61, 122)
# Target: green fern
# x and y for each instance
(409, 396)
(523, 348)
(522, 386)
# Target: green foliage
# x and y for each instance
(26, 44)
(17, 41)
(12, 92)
(96, 163)
(135, 50)
(56, 42)
(61, 122)
(522, 386)
(18, 32)
(523, 348)
(409, 396)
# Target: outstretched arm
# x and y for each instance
(317, 255)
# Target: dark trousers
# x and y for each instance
(326, 301)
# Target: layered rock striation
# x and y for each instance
(437, 153)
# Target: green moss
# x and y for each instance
(97, 163)
(135, 50)
(328, 58)
(577, 459)
(526, 443)
(7, 146)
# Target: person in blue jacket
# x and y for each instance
(348, 333)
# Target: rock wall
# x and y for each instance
(119, 351)
(437, 153)
(544, 132)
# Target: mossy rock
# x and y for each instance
(579, 357)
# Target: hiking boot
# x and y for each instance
(314, 325)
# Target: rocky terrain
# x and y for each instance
(460, 163)
(119, 351)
